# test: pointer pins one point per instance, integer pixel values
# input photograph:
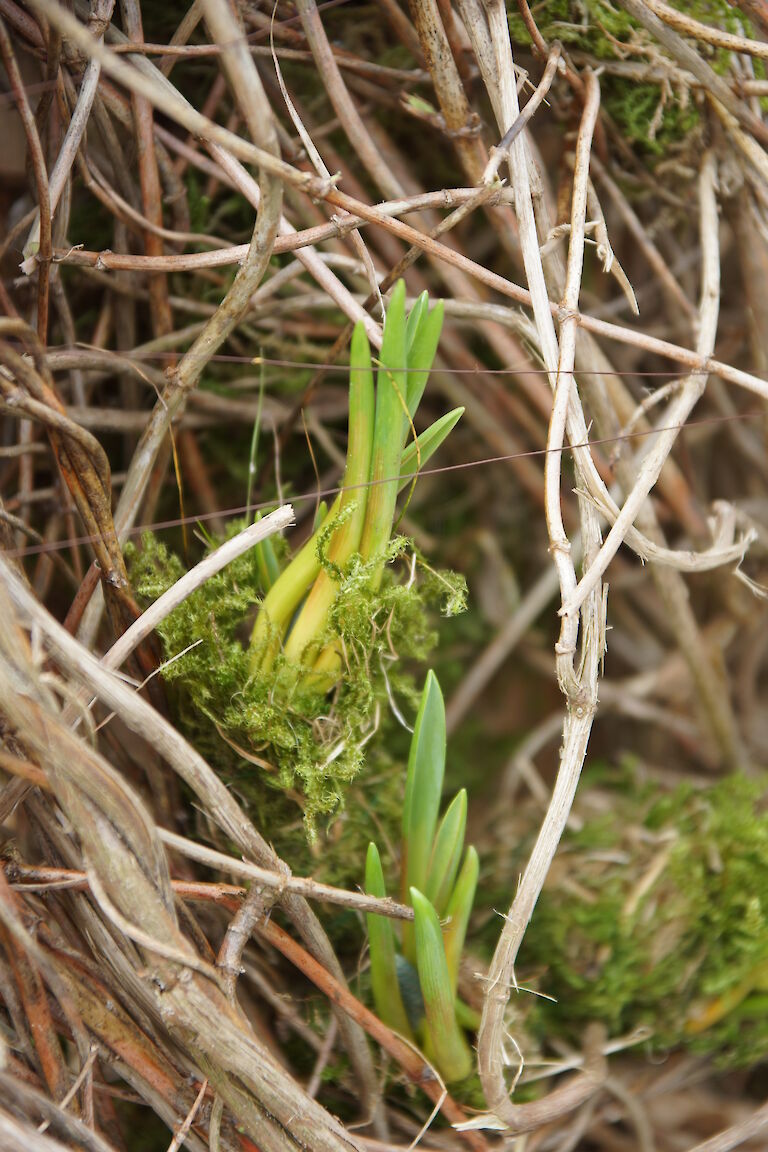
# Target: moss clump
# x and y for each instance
(289, 751)
(657, 118)
(656, 916)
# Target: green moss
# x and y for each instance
(659, 919)
(289, 752)
(606, 32)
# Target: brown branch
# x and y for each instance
(45, 250)
(32, 995)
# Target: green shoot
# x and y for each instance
(354, 496)
(320, 514)
(253, 455)
(418, 452)
(391, 393)
(446, 854)
(266, 560)
(414, 320)
(421, 354)
(283, 599)
(423, 785)
(445, 1040)
(329, 617)
(457, 911)
(433, 854)
(295, 613)
(384, 978)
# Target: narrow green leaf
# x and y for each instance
(320, 514)
(424, 783)
(423, 788)
(391, 398)
(415, 317)
(266, 560)
(446, 1040)
(467, 1016)
(255, 439)
(354, 497)
(458, 912)
(422, 354)
(446, 854)
(329, 660)
(381, 943)
(428, 442)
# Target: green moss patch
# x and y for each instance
(292, 753)
(656, 915)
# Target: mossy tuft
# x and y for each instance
(658, 917)
(656, 116)
(287, 749)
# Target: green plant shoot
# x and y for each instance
(444, 1040)
(384, 978)
(319, 613)
(446, 854)
(295, 613)
(430, 953)
(423, 788)
(458, 911)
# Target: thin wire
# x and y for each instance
(161, 525)
(266, 361)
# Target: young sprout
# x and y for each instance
(352, 507)
(430, 950)
(384, 977)
(383, 456)
(444, 1039)
(391, 412)
(268, 564)
(446, 854)
(423, 788)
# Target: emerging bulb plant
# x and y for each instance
(415, 984)
(333, 618)
(356, 531)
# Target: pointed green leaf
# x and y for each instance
(424, 783)
(447, 1045)
(393, 343)
(301, 644)
(266, 560)
(422, 354)
(320, 514)
(446, 853)
(458, 912)
(423, 788)
(415, 317)
(391, 399)
(414, 458)
(381, 943)
(362, 408)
